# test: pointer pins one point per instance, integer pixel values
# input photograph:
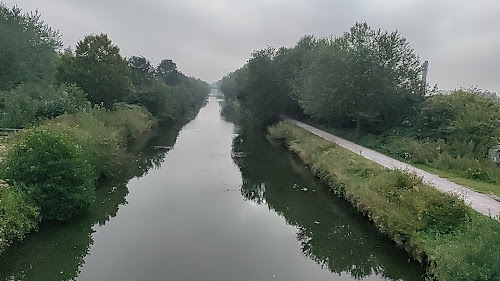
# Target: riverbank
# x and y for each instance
(439, 230)
(479, 174)
(49, 172)
(479, 202)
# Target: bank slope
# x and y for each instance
(438, 229)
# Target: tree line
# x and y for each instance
(369, 81)
(366, 85)
(83, 112)
(366, 78)
(38, 81)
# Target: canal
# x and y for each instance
(216, 201)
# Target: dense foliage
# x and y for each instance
(17, 216)
(104, 135)
(165, 91)
(366, 84)
(51, 169)
(450, 136)
(365, 79)
(464, 117)
(98, 68)
(142, 71)
(29, 103)
(83, 111)
(27, 48)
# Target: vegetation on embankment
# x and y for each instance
(49, 171)
(450, 136)
(81, 112)
(368, 84)
(438, 229)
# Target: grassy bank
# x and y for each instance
(49, 172)
(438, 229)
(455, 161)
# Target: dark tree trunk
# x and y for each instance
(358, 126)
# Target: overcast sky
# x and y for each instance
(209, 38)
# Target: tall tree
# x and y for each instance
(288, 63)
(28, 48)
(98, 68)
(365, 77)
(167, 71)
(141, 71)
(259, 92)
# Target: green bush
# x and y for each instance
(465, 117)
(168, 103)
(52, 171)
(471, 253)
(27, 104)
(131, 121)
(100, 144)
(165, 102)
(444, 213)
(104, 135)
(456, 157)
(17, 216)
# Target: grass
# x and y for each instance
(438, 229)
(480, 175)
(489, 189)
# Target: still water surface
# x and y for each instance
(221, 204)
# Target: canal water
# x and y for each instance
(217, 201)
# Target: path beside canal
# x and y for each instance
(476, 200)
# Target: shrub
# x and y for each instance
(464, 116)
(472, 253)
(131, 121)
(27, 104)
(51, 170)
(165, 102)
(17, 216)
(100, 144)
(103, 134)
(444, 212)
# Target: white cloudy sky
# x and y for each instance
(209, 38)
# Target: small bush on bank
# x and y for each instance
(17, 216)
(131, 121)
(51, 170)
(104, 135)
(99, 144)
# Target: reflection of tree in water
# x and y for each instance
(57, 251)
(330, 231)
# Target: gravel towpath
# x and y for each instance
(477, 201)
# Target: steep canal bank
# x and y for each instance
(222, 204)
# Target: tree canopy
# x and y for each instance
(99, 69)
(366, 77)
(28, 48)
(142, 71)
(167, 71)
